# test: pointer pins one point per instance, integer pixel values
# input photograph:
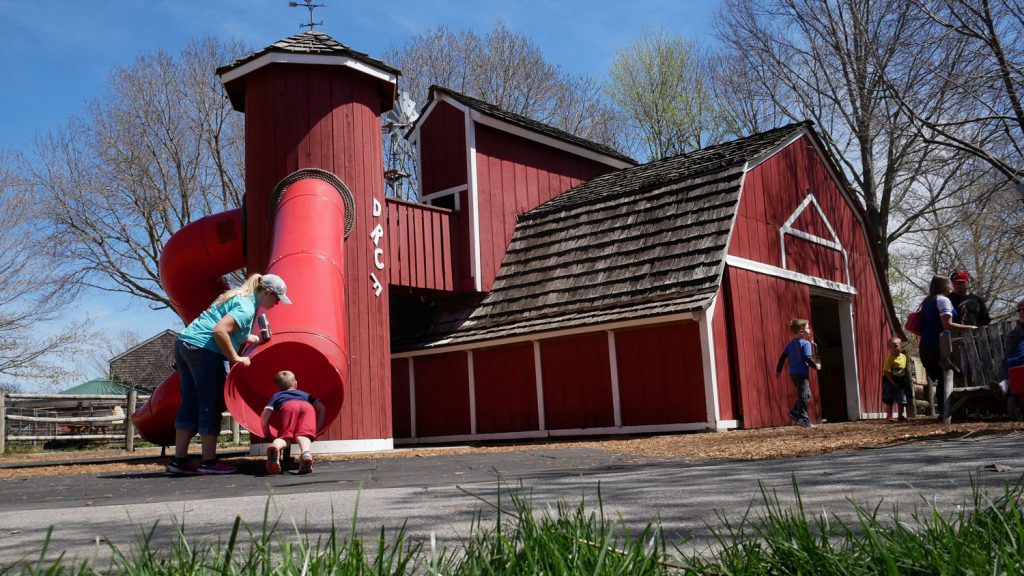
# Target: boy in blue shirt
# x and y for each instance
(801, 359)
(291, 415)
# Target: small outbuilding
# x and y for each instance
(145, 365)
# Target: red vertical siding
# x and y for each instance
(420, 238)
(515, 175)
(577, 382)
(327, 117)
(661, 374)
(506, 388)
(763, 306)
(401, 407)
(442, 395)
(813, 259)
(786, 178)
(442, 146)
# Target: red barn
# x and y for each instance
(619, 298)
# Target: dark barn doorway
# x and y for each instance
(828, 335)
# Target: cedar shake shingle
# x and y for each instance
(145, 365)
(310, 42)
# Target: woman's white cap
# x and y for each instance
(274, 283)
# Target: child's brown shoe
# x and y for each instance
(306, 464)
(273, 463)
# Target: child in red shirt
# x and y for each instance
(291, 416)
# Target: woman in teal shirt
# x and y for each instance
(211, 339)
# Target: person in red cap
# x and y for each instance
(970, 308)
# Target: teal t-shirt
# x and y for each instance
(200, 331)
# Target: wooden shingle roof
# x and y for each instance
(145, 365)
(640, 242)
(528, 123)
(310, 42)
(310, 47)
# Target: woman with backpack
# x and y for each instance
(937, 316)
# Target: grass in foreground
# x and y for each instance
(984, 537)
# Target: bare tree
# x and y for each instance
(977, 60)
(159, 150)
(983, 240)
(835, 62)
(507, 69)
(660, 84)
(35, 340)
(439, 56)
(102, 349)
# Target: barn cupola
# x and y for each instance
(309, 102)
(490, 165)
(313, 109)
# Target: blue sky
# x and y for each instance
(57, 54)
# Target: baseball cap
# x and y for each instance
(960, 276)
(274, 283)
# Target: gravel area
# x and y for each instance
(763, 444)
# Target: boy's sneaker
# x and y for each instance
(216, 467)
(273, 463)
(306, 464)
(184, 467)
(805, 423)
(795, 416)
(902, 418)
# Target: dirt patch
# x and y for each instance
(764, 444)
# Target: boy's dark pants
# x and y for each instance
(803, 395)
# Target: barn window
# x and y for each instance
(447, 201)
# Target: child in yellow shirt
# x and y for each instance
(895, 380)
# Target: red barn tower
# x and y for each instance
(311, 102)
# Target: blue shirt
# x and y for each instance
(200, 331)
(932, 310)
(278, 400)
(796, 351)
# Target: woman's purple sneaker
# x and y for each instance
(216, 467)
(183, 467)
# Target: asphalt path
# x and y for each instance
(441, 495)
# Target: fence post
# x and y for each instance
(3, 423)
(236, 432)
(129, 428)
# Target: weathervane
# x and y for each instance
(308, 4)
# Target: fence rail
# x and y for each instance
(49, 417)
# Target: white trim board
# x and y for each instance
(474, 201)
(334, 446)
(320, 59)
(705, 326)
(835, 243)
(768, 269)
(604, 431)
(613, 369)
(549, 141)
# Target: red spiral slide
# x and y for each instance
(308, 336)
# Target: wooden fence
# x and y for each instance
(972, 365)
(34, 418)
